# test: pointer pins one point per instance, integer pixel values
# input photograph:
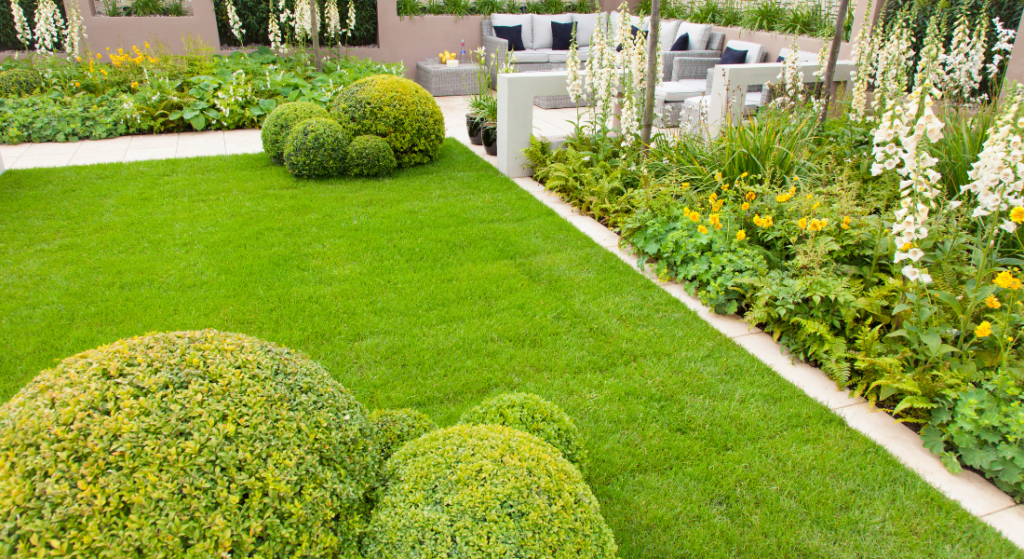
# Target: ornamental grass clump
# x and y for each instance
(535, 415)
(18, 82)
(370, 156)
(482, 491)
(397, 427)
(316, 148)
(185, 444)
(396, 109)
(279, 123)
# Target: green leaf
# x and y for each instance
(952, 464)
(933, 439)
(189, 114)
(175, 115)
(198, 122)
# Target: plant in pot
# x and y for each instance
(480, 100)
(489, 127)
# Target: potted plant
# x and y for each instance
(489, 126)
(480, 101)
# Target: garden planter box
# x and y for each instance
(127, 31)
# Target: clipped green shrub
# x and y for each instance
(482, 491)
(396, 109)
(185, 444)
(18, 82)
(397, 427)
(535, 415)
(370, 156)
(279, 123)
(316, 147)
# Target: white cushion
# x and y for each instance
(700, 34)
(532, 56)
(803, 56)
(509, 20)
(680, 90)
(585, 25)
(666, 32)
(542, 37)
(754, 50)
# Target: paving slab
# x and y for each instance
(93, 157)
(33, 161)
(146, 154)
(1010, 522)
(153, 141)
(112, 144)
(51, 148)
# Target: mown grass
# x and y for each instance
(441, 286)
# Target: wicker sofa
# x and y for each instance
(539, 57)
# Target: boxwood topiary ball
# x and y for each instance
(482, 491)
(370, 156)
(396, 109)
(279, 123)
(185, 444)
(19, 81)
(535, 415)
(316, 148)
(397, 427)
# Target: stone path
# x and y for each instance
(974, 493)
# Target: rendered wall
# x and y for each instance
(123, 32)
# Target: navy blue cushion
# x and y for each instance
(562, 35)
(780, 59)
(733, 56)
(511, 33)
(682, 42)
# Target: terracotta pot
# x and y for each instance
(489, 136)
(473, 126)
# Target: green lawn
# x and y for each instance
(441, 286)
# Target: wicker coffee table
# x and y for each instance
(441, 80)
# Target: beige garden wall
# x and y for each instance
(124, 32)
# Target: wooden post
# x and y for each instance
(833, 56)
(652, 74)
(316, 34)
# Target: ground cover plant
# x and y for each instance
(882, 244)
(438, 288)
(146, 90)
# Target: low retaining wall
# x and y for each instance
(124, 32)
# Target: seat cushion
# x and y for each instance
(532, 56)
(666, 32)
(542, 38)
(560, 56)
(700, 33)
(754, 50)
(513, 34)
(585, 25)
(753, 99)
(680, 90)
(508, 20)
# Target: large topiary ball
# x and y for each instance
(19, 81)
(397, 427)
(370, 156)
(279, 123)
(316, 148)
(396, 109)
(535, 415)
(482, 491)
(185, 444)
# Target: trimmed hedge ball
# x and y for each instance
(396, 109)
(316, 148)
(397, 427)
(19, 81)
(279, 123)
(485, 491)
(535, 415)
(185, 444)
(370, 156)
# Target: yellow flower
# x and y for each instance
(758, 221)
(846, 222)
(713, 197)
(992, 303)
(745, 206)
(702, 229)
(78, 58)
(740, 235)
(1017, 214)
(99, 56)
(984, 329)
(135, 85)
(1007, 281)
(906, 247)
(147, 44)
(78, 84)
(744, 175)
(809, 196)
(802, 223)
(694, 217)
(750, 196)
(718, 176)
(104, 71)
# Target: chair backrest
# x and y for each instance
(803, 56)
(486, 27)
(716, 41)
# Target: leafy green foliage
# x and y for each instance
(254, 15)
(396, 109)
(196, 443)
(64, 119)
(397, 427)
(412, 8)
(279, 124)
(535, 415)
(370, 156)
(18, 82)
(316, 148)
(504, 493)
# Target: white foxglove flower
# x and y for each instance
(234, 22)
(21, 26)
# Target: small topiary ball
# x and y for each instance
(482, 491)
(316, 148)
(279, 123)
(396, 109)
(535, 415)
(397, 427)
(370, 156)
(185, 444)
(19, 81)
